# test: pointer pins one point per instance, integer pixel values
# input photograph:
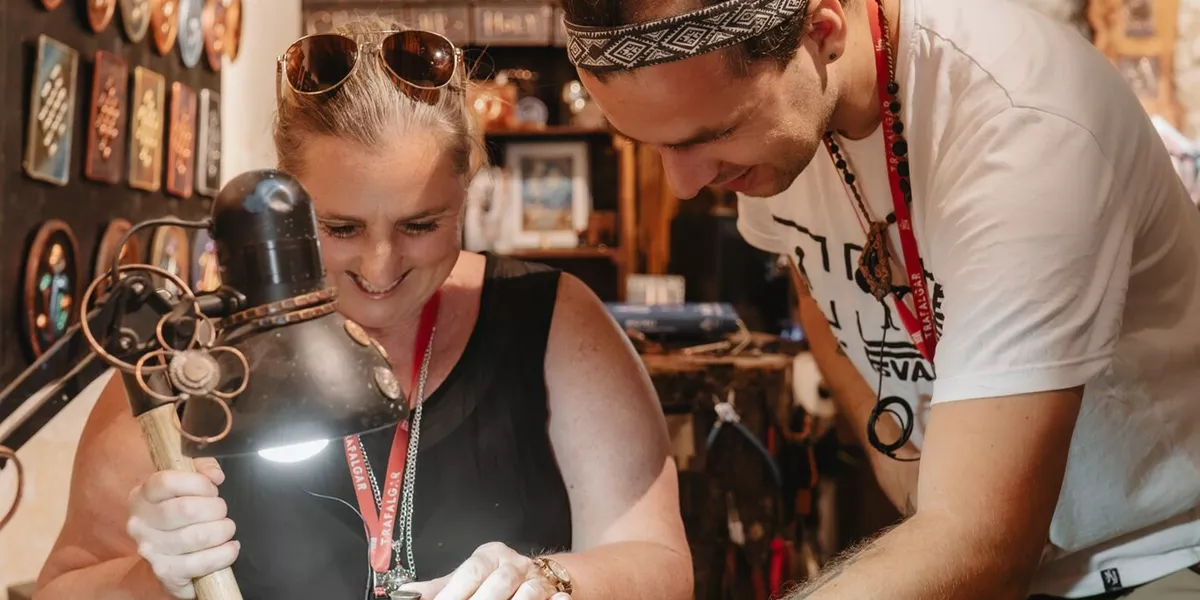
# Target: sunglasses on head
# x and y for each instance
(422, 61)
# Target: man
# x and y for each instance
(997, 254)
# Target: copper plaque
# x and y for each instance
(106, 125)
(51, 285)
(169, 252)
(214, 24)
(513, 25)
(181, 150)
(146, 130)
(130, 253)
(191, 32)
(135, 16)
(208, 151)
(51, 112)
(206, 273)
(164, 23)
(100, 13)
(233, 28)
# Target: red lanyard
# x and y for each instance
(381, 524)
(920, 326)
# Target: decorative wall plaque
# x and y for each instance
(233, 28)
(191, 31)
(51, 285)
(135, 17)
(208, 151)
(100, 13)
(130, 254)
(513, 25)
(213, 22)
(454, 22)
(164, 23)
(146, 130)
(169, 251)
(181, 151)
(206, 273)
(51, 112)
(106, 125)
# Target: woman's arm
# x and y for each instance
(611, 442)
(94, 557)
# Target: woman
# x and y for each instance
(544, 463)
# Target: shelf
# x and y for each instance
(551, 131)
(609, 253)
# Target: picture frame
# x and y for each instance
(147, 113)
(550, 193)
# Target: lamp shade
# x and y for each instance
(312, 374)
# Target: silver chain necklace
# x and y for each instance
(404, 572)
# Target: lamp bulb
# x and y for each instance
(294, 452)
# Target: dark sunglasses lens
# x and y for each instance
(320, 62)
(420, 58)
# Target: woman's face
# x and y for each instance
(389, 222)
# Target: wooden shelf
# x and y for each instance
(551, 131)
(607, 252)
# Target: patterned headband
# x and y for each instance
(678, 37)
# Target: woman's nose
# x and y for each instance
(377, 262)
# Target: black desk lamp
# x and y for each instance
(264, 362)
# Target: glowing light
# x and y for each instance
(294, 452)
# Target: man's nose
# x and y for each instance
(687, 173)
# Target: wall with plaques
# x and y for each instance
(84, 203)
(1187, 65)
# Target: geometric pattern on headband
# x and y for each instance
(677, 37)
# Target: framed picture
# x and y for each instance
(550, 196)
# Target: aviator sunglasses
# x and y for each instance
(422, 61)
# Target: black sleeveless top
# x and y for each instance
(485, 469)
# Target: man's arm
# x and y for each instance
(989, 485)
(854, 399)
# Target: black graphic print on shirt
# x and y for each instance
(879, 332)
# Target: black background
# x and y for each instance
(86, 206)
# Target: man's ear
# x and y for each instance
(826, 27)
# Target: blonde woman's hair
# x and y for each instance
(372, 109)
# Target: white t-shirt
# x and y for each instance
(1060, 249)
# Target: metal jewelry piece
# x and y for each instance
(181, 152)
(357, 333)
(164, 20)
(51, 280)
(52, 112)
(208, 150)
(146, 129)
(106, 124)
(100, 13)
(191, 31)
(135, 17)
(677, 37)
(386, 380)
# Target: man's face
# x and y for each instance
(751, 132)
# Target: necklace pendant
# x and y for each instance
(875, 262)
(393, 579)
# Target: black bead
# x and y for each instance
(900, 147)
(894, 107)
(849, 178)
(902, 168)
(893, 87)
(898, 127)
(841, 164)
(833, 148)
(891, 218)
(904, 187)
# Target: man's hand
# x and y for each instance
(493, 572)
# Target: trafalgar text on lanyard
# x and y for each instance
(920, 326)
(380, 519)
